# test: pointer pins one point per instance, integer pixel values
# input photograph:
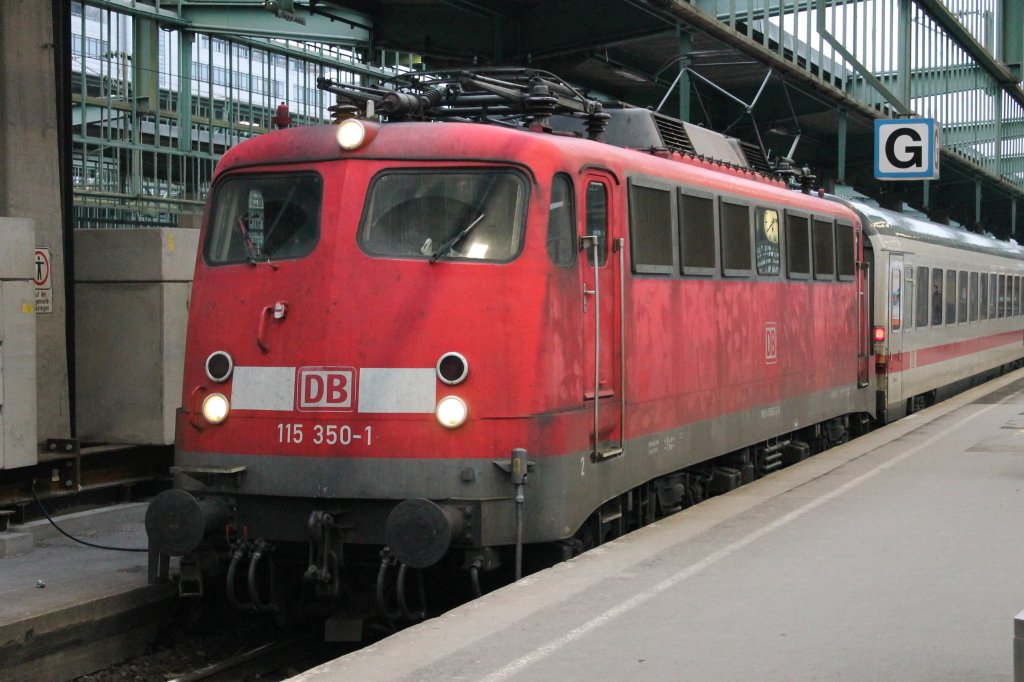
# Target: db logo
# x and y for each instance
(771, 343)
(326, 388)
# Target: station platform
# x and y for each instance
(899, 556)
(56, 593)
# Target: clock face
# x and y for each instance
(770, 225)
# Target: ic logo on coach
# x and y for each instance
(326, 389)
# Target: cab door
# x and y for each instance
(600, 275)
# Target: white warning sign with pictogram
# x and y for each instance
(41, 277)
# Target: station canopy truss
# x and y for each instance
(160, 89)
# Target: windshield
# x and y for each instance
(264, 218)
(445, 214)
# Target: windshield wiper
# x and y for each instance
(252, 253)
(447, 246)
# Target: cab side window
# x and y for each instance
(561, 223)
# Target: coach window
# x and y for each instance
(1001, 297)
(974, 297)
(697, 234)
(1016, 295)
(922, 297)
(766, 241)
(735, 232)
(961, 305)
(846, 253)
(908, 299)
(652, 228)
(983, 296)
(597, 221)
(936, 296)
(950, 296)
(561, 223)
(824, 250)
(798, 247)
(992, 296)
(1011, 295)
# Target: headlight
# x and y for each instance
(219, 366)
(451, 412)
(452, 368)
(215, 408)
(351, 134)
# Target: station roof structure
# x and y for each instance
(804, 79)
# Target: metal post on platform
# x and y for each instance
(518, 473)
(1018, 647)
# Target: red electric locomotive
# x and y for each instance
(393, 322)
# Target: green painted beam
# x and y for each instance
(247, 18)
(938, 11)
(1013, 36)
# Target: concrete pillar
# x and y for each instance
(30, 184)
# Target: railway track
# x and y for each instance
(276, 660)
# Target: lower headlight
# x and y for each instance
(215, 408)
(451, 411)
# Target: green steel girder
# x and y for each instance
(938, 11)
(1012, 36)
(250, 17)
(984, 132)
(923, 82)
(169, 19)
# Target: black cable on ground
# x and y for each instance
(72, 537)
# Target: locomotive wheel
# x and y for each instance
(586, 537)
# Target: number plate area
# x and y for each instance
(326, 434)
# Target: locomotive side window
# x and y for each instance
(766, 241)
(921, 307)
(983, 295)
(824, 250)
(597, 221)
(798, 247)
(697, 234)
(561, 223)
(846, 252)
(950, 296)
(936, 296)
(735, 232)
(973, 297)
(263, 217)
(450, 214)
(652, 228)
(962, 297)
